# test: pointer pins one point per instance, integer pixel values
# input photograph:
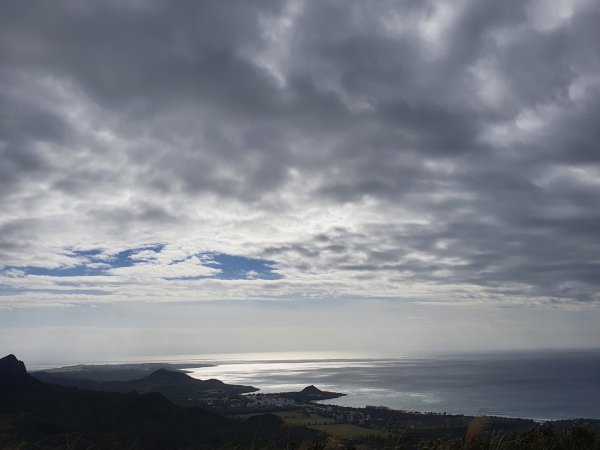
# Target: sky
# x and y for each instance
(385, 176)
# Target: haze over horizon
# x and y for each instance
(273, 176)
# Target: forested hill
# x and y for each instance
(37, 415)
(176, 386)
(116, 372)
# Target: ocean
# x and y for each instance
(544, 385)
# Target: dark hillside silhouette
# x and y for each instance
(176, 386)
(38, 415)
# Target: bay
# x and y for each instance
(544, 385)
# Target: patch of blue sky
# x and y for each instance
(91, 262)
(128, 258)
(95, 262)
(233, 267)
(90, 254)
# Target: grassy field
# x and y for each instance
(295, 418)
(344, 430)
(340, 430)
(299, 418)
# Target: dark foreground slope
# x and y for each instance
(41, 416)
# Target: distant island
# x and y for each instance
(167, 409)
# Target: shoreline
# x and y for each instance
(275, 378)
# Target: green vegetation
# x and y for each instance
(345, 430)
(295, 417)
(544, 437)
(324, 424)
(299, 417)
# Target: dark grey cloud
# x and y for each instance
(410, 142)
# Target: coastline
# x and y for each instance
(401, 387)
(519, 385)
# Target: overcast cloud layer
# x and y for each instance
(424, 150)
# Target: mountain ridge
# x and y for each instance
(37, 415)
(177, 386)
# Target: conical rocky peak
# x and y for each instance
(12, 370)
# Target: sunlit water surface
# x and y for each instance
(542, 385)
